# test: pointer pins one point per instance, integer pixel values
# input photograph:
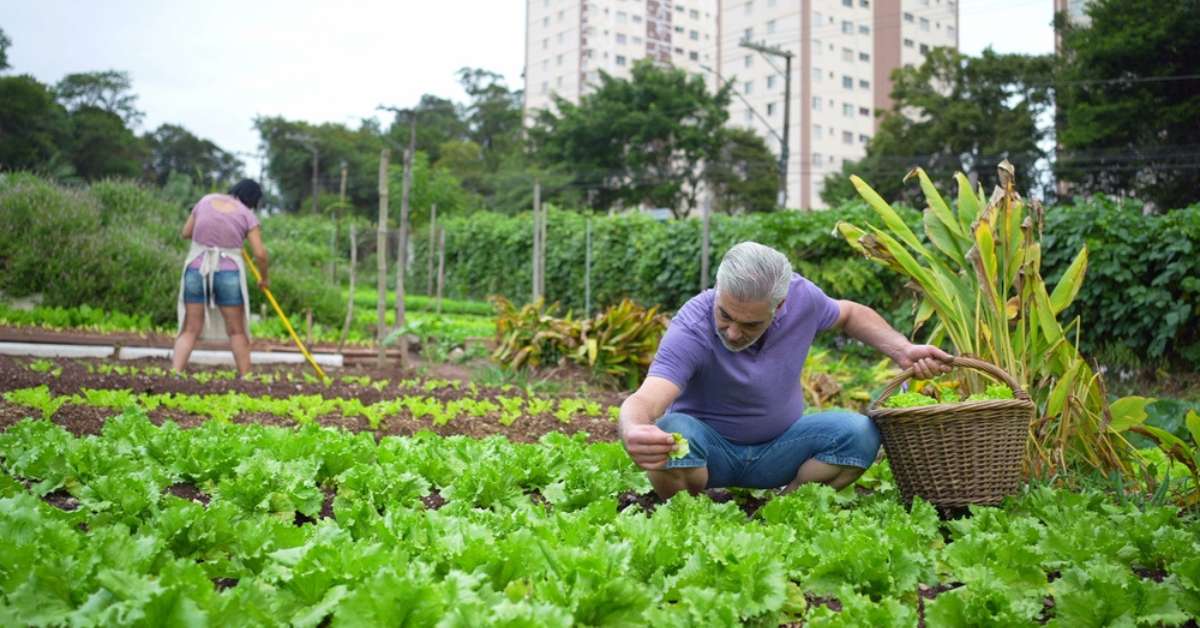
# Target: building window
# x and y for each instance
(847, 137)
(817, 46)
(847, 82)
(771, 82)
(637, 19)
(924, 49)
(545, 43)
(749, 60)
(545, 86)
(749, 6)
(816, 75)
(694, 14)
(847, 54)
(817, 131)
(864, 84)
(864, 111)
(816, 105)
(637, 41)
(560, 38)
(848, 3)
(748, 34)
(546, 21)
(694, 35)
(621, 17)
(863, 29)
(908, 17)
(679, 29)
(620, 59)
(817, 160)
(694, 56)
(847, 27)
(924, 23)
(747, 87)
(560, 16)
(866, 4)
(558, 60)
(558, 81)
(770, 26)
(908, 43)
(770, 3)
(620, 38)
(862, 139)
(749, 116)
(864, 56)
(950, 30)
(770, 109)
(848, 110)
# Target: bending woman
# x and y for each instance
(214, 275)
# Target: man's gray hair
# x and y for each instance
(753, 272)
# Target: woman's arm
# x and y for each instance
(188, 226)
(260, 255)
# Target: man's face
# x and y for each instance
(741, 323)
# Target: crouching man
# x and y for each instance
(727, 377)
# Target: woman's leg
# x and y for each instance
(193, 322)
(235, 327)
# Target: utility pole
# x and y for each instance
(308, 142)
(775, 51)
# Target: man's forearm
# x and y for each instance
(866, 325)
(634, 411)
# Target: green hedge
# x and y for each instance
(1140, 302)
(650, 261)
(115, 246)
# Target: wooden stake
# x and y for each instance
(441, 282)
(350, 301)
(432, 231)
(381, 257)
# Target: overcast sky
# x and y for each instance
(213, 66)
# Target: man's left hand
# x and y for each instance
(927, 361)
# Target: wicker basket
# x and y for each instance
(955, 454)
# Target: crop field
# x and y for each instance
(132, 497)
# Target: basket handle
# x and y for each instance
(960, 362)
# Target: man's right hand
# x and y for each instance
(649, 446)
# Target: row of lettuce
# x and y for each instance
(311, 526)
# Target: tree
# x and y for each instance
(955, 113)
(110, 91)
(430, 184)
(5, 42)
(34, 128)
(1128, 111)
(637, 141)
(745, 175)
(172, 148)
(289, 162)
(102, 146)
(438, 121)
(493, 115)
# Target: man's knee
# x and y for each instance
(863, 433)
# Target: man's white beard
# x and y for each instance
(725, 341)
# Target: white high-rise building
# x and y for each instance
(568, 42)
(843, 52)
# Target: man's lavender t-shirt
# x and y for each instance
(221, 220)
(753, 395)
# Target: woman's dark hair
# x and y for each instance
(248, 192)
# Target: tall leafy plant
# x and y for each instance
(978, 276)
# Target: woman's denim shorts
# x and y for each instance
(226, 285)
(834, 436)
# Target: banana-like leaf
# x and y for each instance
(889, 216)
(1193, 424)
(968, 202)
(1058, 395)
(942, 238)
(1064, 293)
